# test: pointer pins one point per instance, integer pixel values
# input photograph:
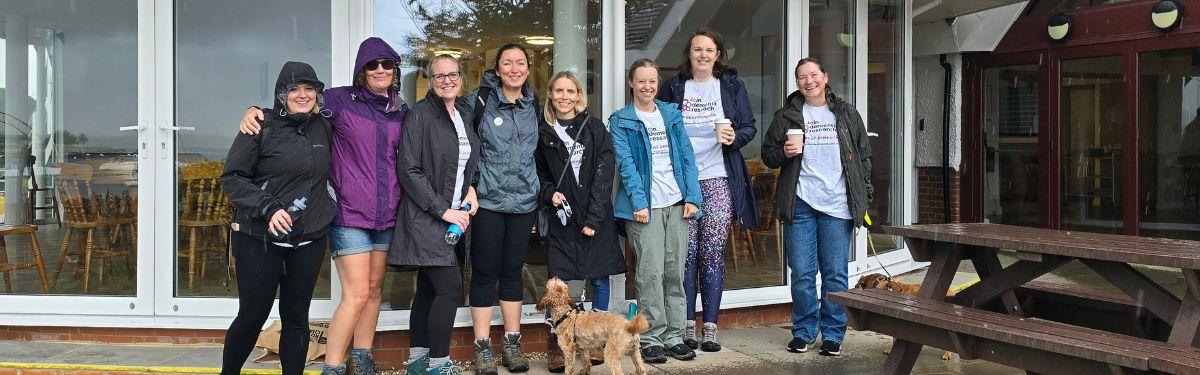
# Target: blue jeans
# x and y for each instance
(815, 241)
(600, 290)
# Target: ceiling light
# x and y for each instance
(539, 40)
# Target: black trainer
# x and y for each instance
(798, 345)
(830, 348)
(653, 354)
(681, 352)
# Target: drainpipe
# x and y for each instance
(946, 137)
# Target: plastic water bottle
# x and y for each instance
(454, 233)
(298, 205)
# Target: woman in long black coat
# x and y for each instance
(575, 165)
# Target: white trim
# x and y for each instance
(612, 57)
(795, 41)
(909, 133)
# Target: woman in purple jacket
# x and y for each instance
(707, 91)
(367, 118)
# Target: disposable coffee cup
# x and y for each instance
(720, 125)
(797, 137)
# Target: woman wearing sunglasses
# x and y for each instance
(367, 118)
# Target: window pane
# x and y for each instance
(1093, 131)
(419, 29)
(227, 59)
(753, 33)
(1169, 132)
(1011, 136)
(69, 81)
(831, 40)
(885, 117)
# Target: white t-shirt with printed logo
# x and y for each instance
(701, 109)
(664, 190)
(822, 184)
(464, 154)
(576, 150)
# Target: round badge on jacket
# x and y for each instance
(498, 121)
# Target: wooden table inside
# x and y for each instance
(1040, 251)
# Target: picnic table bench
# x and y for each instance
(1008, 319)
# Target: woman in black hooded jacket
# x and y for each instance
(278, 182)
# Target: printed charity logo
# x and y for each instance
(658, 141)
(816, 133)
(696, 111)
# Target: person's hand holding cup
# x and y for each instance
(724, 129)
(795, 143)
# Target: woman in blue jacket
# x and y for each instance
(707, 91)
(657, 196)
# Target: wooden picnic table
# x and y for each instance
(991, 319)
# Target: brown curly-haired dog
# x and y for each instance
(879, 281)
(580, 332)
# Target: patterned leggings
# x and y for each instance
(706, 249)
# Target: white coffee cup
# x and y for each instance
(797, 137)
(720, 125)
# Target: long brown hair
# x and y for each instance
(639, 63)
(821, 67)
(685, 69)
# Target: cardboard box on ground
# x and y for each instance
(269, 340)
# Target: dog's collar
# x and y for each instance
(878, 281)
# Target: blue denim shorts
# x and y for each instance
(351, 240)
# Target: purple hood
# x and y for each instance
(366, 132)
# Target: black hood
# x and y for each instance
(294, 72)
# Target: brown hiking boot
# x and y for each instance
(485, 362)
(511, 356)
(555, 362)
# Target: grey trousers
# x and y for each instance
(661, 250)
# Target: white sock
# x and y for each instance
(417, 352)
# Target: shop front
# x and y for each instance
(118, 116)
(1094, 131)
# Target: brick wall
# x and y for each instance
(929, 196)
(391, 347)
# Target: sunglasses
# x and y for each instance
(386, 63)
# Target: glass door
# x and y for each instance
(221, 60)
(1093, 125)
(1010, 137)
(76, 103)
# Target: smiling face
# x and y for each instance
(446, 79)
(644, 84)
(513, 68)
(564, 96)
(811, 80)
(703, 53)
(302, 98)
(381, 77)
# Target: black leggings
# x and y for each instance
(262, 269)
(499, 244)
(432, 316)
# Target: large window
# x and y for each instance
(69, 80)
(831, 38)
(1011, 128)
(1168, 136)
(559, 35)
(885, 117)
(1093, 132)
(227, 59)
(753, 33)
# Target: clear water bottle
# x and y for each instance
(298, 205)
(454, 233)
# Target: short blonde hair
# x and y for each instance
(548, 108)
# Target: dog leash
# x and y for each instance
(875, 255)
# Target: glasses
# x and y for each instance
(448, 76)
(386, 63)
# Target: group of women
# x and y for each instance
(494, 162)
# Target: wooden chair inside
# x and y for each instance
(764, 181)
(205, 216)
(41, 198)
(7, 267)
(92, 214)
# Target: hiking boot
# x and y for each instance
(554, 355)
(681, 352)
(362, 361)
(513, 359)
(689, 335)
(710, 338)
(485, 362)
(798, 345)
(830, 348)
(448, 368)
(653, 354)
(417, 366)
(334, 370)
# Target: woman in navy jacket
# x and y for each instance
(707, 91)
